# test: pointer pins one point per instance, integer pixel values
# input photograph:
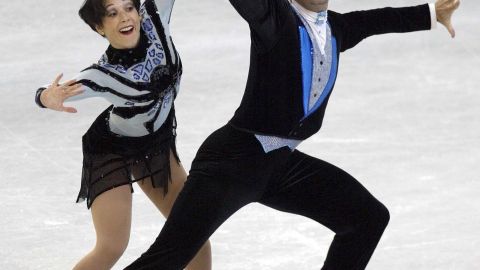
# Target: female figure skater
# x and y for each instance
(293, 68)
(134, 139)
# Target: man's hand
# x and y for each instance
(444, 10)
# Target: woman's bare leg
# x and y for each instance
(112, 214)
(203, 259)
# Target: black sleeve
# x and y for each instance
(265, 18)
(37, 97)
(359, 25)
(251, 10)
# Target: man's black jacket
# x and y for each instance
(273, 100)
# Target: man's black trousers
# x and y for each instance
(231, 170)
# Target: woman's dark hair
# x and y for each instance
(93, 11)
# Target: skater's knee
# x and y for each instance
(380, 216)
(375, 217)
(385, 215)
(113, 249)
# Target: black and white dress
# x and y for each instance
(132, 139)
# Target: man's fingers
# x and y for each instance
(456, 4)
(451, 30)
(452, 4)
(449, 26)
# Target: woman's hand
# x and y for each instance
(54, 96)
(445, 9)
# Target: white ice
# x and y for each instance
(403, 119)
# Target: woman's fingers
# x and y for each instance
(68, 89)
(57, 79)
(69, 109)
(69, 83)
(64, 92)
(57, 93)
(74, 92)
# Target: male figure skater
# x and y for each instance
(294, 61)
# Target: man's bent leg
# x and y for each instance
(316, 189)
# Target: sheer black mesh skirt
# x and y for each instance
(110, 160)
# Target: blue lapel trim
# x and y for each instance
(328, 87)
(307, 66)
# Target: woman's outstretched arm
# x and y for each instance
(54, 96)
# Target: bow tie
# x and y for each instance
(321, 17)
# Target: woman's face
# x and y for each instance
(121, 24)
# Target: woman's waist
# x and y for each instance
(140, 125)
(137, 126)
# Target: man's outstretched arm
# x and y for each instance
(359, 25)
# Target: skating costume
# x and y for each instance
(253, 158)
(132, 139)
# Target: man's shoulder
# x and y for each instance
(334, 16)
(335, 20)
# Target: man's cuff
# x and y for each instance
(433, 15)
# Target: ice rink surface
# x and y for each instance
(404, 119)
